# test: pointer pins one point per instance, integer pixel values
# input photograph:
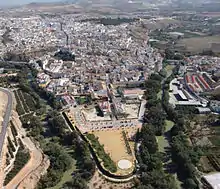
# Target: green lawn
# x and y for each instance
(169, 125)
(161, 140)
(162, 143)
(169, 69)
(215, 140)
(159, 95)
(66, 176)
(178, 182)
(82, 100)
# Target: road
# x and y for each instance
(6, 118)
(12, 62)
(36, 155)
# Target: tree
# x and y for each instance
(163, 73)
(65, 55)
(156, 118)
(148, 139)
(155, 77)
(76, 183)
(59, 162)
(84, 162)
(62, 162)
(169, 54)
(50, 179)
(158, 179)
(59, 159)
(70, 138)
(145, 187)
(57, 125)
(152, 102)
(190, 183)
(34, 124)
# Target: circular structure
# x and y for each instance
(124, 164)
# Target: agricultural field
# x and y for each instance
(188, 33)
(205, 133)
(161, 23)
(214, 152)
(115, 145)
(198, 44)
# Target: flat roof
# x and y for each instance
(213, 180)
(182, 95)
(201, 109)
(193, 103)
(133, 91)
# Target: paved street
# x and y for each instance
(6, 118)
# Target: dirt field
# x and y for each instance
(205, 166)
(216, 91)
(132, 110)
(114, 144)
(98, 182)
(160, 23)
(3, 103)
(198, 44)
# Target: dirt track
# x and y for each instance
(32, 179)
(35, 161)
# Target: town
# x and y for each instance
(96, 101)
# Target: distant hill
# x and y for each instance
(117, 7)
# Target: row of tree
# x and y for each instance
(150, 160)
(60, 161)
(108, 163)
(28, 83)
(21, 159)
(184, 155)
(154, 106)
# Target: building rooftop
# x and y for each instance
(133, 91)
(213, 180)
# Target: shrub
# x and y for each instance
(107, 161)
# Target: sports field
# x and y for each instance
(114, 144)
